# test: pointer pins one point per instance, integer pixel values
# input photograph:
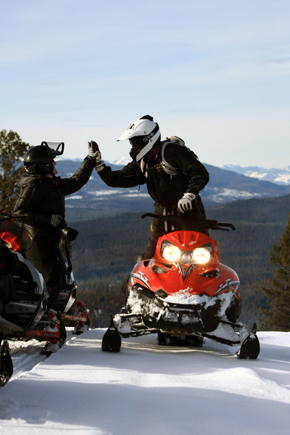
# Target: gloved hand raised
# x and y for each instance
(95, 152)
(56, 220)
(185, 203)
(93, 149)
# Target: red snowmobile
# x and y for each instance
(184, 294)
(23, 298)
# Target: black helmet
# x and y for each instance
(42, 156)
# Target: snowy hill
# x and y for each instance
(274, 175)
(122, 161)
(147, 389)
(278, 176)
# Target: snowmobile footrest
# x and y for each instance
(139, 333)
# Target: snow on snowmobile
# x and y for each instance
(184, 294)
(24, 297)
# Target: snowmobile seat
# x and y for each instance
(6, 283)
(23, 285)
(7, 259)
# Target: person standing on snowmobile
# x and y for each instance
(42, 201)
(172, 172)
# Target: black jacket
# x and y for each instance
(164, 188)
(41, 196)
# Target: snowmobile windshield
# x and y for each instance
(54, 148)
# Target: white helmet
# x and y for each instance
(142, 135)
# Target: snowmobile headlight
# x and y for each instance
(170, 252)
(201, 255)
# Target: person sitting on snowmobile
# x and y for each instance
(42, 202)
(172, 172)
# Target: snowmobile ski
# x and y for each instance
(111, 341)
(6, 366)
(250, 347)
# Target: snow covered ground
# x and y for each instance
(147, 389)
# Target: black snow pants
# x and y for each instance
(43, 254)
(158, 228)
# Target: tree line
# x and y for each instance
(12, 151)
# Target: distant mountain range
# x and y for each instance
(278, 176)
(96, 199)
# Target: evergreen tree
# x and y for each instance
(12, 150)
(277, 318)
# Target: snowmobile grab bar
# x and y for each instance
(185, 224)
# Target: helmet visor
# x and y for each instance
(138, 142)
(54, 149)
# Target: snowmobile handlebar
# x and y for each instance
(186, 224)
(4, 215)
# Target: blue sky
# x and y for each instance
(215, 73)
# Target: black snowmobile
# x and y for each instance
(24, 297)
